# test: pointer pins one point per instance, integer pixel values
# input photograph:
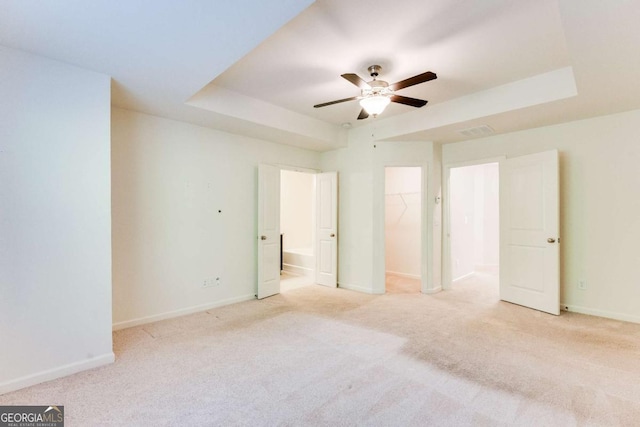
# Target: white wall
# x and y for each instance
(462, 214)
(487, 221)
(599, 205)
(55, 225)
(355, 206)
(170, 180)
(474, 210)
(296, 209)
(403, 225)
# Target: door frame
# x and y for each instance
(446, 216)
(293, 168)
(379, 250)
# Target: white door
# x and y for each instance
(268, 231)
(327, 229)
(529, 231)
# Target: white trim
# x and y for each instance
(297, 169)
(356, 288)
(464, 276)
(181, 312)
(54, 373)
(476, 162)
(404, 275)
(432, 291)
(600, 313)
(297, 270)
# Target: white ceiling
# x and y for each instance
(471, 45)
(257, 68)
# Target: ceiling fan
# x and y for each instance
(377, 94)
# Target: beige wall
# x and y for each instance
(184, 211)
(296, 209)
(600, 207)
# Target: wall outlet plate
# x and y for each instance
(582, 284)
(211, 282)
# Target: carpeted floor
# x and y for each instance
(320, 356)
(401, 285)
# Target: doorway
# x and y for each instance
(528, 228)
(270, 256)
(297, 229)
(403, 229)
(474, 227)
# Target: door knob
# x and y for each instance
(263, 237)
(332, 235)
(551, 240)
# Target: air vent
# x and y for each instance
(478, 131)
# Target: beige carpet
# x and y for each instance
(401, 285)
(320, 356)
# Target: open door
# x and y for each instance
(529, 231)
(268, 231)
(327, 229)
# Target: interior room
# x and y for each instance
(403, 229)
(297, 226)
(474, 225)
(135, 238)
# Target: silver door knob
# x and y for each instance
(263, 237)
(332, 235)
(551, 240)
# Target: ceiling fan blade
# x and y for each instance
(363, 114)
(420, 78)
(356, 80)
(414, 102)
(353, 98)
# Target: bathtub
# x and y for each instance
(299, 261)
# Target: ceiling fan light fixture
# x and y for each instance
(375, 104)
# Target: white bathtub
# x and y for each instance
(299, 261)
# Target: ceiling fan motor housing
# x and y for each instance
(374, 70)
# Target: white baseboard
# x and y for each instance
(356, 288)
(181, 312)
(463, 277)
(52, 374)
(296, 269)
(403, 275)
(600, 313)
(433, 291)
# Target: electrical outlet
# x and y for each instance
(210, 283)
(582, 284)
